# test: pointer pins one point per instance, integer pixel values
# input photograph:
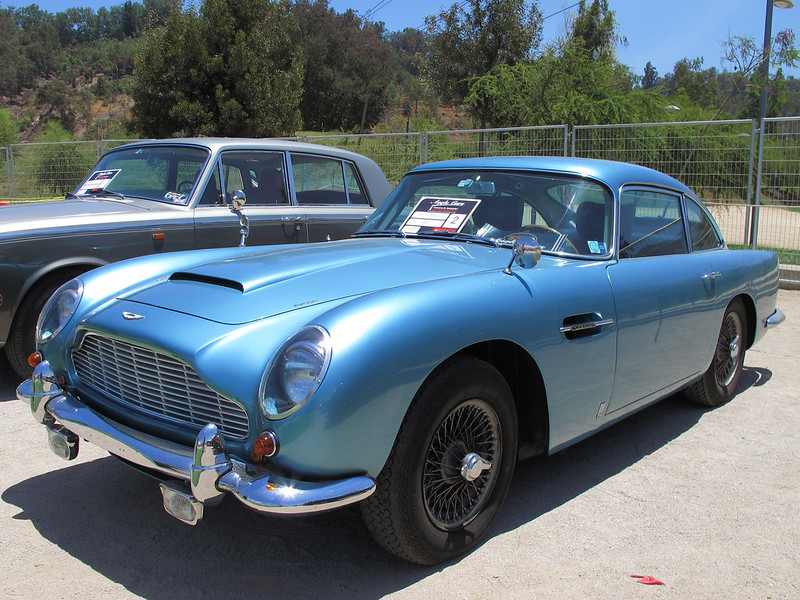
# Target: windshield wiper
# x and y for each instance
(379, 233)
(98, 193)
(460, 236)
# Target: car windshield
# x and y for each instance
(161, 173)
(569, 215)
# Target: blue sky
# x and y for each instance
(659, 31)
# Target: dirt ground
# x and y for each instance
(706, 501)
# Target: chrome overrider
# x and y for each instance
(195, 476)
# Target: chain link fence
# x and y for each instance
(717, 159)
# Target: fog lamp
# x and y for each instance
(62, 442)
(181, 504)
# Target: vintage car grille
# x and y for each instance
(157, 384)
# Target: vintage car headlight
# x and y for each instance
(58, 310)
(296, 372)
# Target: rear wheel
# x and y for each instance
(450, 468)
(719, 382)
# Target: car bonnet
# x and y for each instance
(271, 281)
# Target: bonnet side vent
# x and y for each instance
(208, 279)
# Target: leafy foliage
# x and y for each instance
(228, 70)
(473, 37)
(348, 68)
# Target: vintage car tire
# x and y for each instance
(22, 335)
(718, 384)
(406, 513)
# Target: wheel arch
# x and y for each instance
(525, 379)
(750, 315)
(58, 268)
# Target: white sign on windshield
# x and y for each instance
(98, 181)
(439, 214)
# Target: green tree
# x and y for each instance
(594, 29)
(650, 79)
(8, 130)
(349, 68)
(58, 167)
(229, 70)
(473, 37)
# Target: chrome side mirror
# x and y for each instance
(526, 253)
(238, 198)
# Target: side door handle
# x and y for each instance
(587, 324)
(711, 276)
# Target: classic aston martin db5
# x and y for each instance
(166, 195)
(489, 310)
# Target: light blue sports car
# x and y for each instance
(491, 309)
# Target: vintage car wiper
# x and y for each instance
(379, 232)
(460, 236)
(96, 193)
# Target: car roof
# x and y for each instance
(614, 174)
(248, 144)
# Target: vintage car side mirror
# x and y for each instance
(526, 253)
(238, 198)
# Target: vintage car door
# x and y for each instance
(262, 176)
(331, 193)
(665, 299)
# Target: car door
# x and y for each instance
(664, 295)
(262, 176)
(331, 194)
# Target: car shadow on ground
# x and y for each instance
(9, 380)
(110, 518)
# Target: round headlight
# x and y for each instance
(297, 372)
(58, 310)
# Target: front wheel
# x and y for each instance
(450, 468)
(718, 384)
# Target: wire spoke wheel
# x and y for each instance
(451, 465)
(458, 475)
(726, 359)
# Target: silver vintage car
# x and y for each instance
(160, 196)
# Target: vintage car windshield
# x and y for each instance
(161, 173)
(565, 214)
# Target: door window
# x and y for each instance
(320, 180)
(260, 175)
(650, 224)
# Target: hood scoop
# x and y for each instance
(208, 279)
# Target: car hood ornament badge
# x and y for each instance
(129, 316)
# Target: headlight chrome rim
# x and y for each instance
(58, 310)
(296, 372)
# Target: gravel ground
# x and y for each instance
(706, 501)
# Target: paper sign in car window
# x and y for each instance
(439, 214)
(98, 180)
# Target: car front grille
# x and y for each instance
(157, 384)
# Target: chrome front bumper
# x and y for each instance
(204, 473)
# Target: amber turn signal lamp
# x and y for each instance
(35, 359)
(265, 446)
(159, 236)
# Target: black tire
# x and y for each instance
(22, 336)
(718, 384)
(450, 468)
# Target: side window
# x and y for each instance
(260, 175)
(321, 180)
(701, 230)
(650, 224)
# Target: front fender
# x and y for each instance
(351, 423)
